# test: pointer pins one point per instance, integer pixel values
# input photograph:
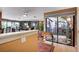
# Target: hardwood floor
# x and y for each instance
(63, 48)
(31, 45)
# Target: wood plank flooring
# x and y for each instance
(31, 45)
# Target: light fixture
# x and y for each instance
(68, 19)
(26, 13)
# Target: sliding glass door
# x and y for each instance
(65, 29)
(52, 26)
(62, 29)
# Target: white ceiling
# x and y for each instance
(16, 13)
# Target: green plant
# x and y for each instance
(41, 26)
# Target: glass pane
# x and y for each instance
(13, 25)
(4, 26)
(64, 29)
(52, 27)
(8, 27)
(26, 26)
(34, 25)
(17, 26)
(8, 24)
(48, 25)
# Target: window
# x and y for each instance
(10, 26)
(62, 29)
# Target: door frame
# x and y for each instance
(65, 11)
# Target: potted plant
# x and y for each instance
(41, 26)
